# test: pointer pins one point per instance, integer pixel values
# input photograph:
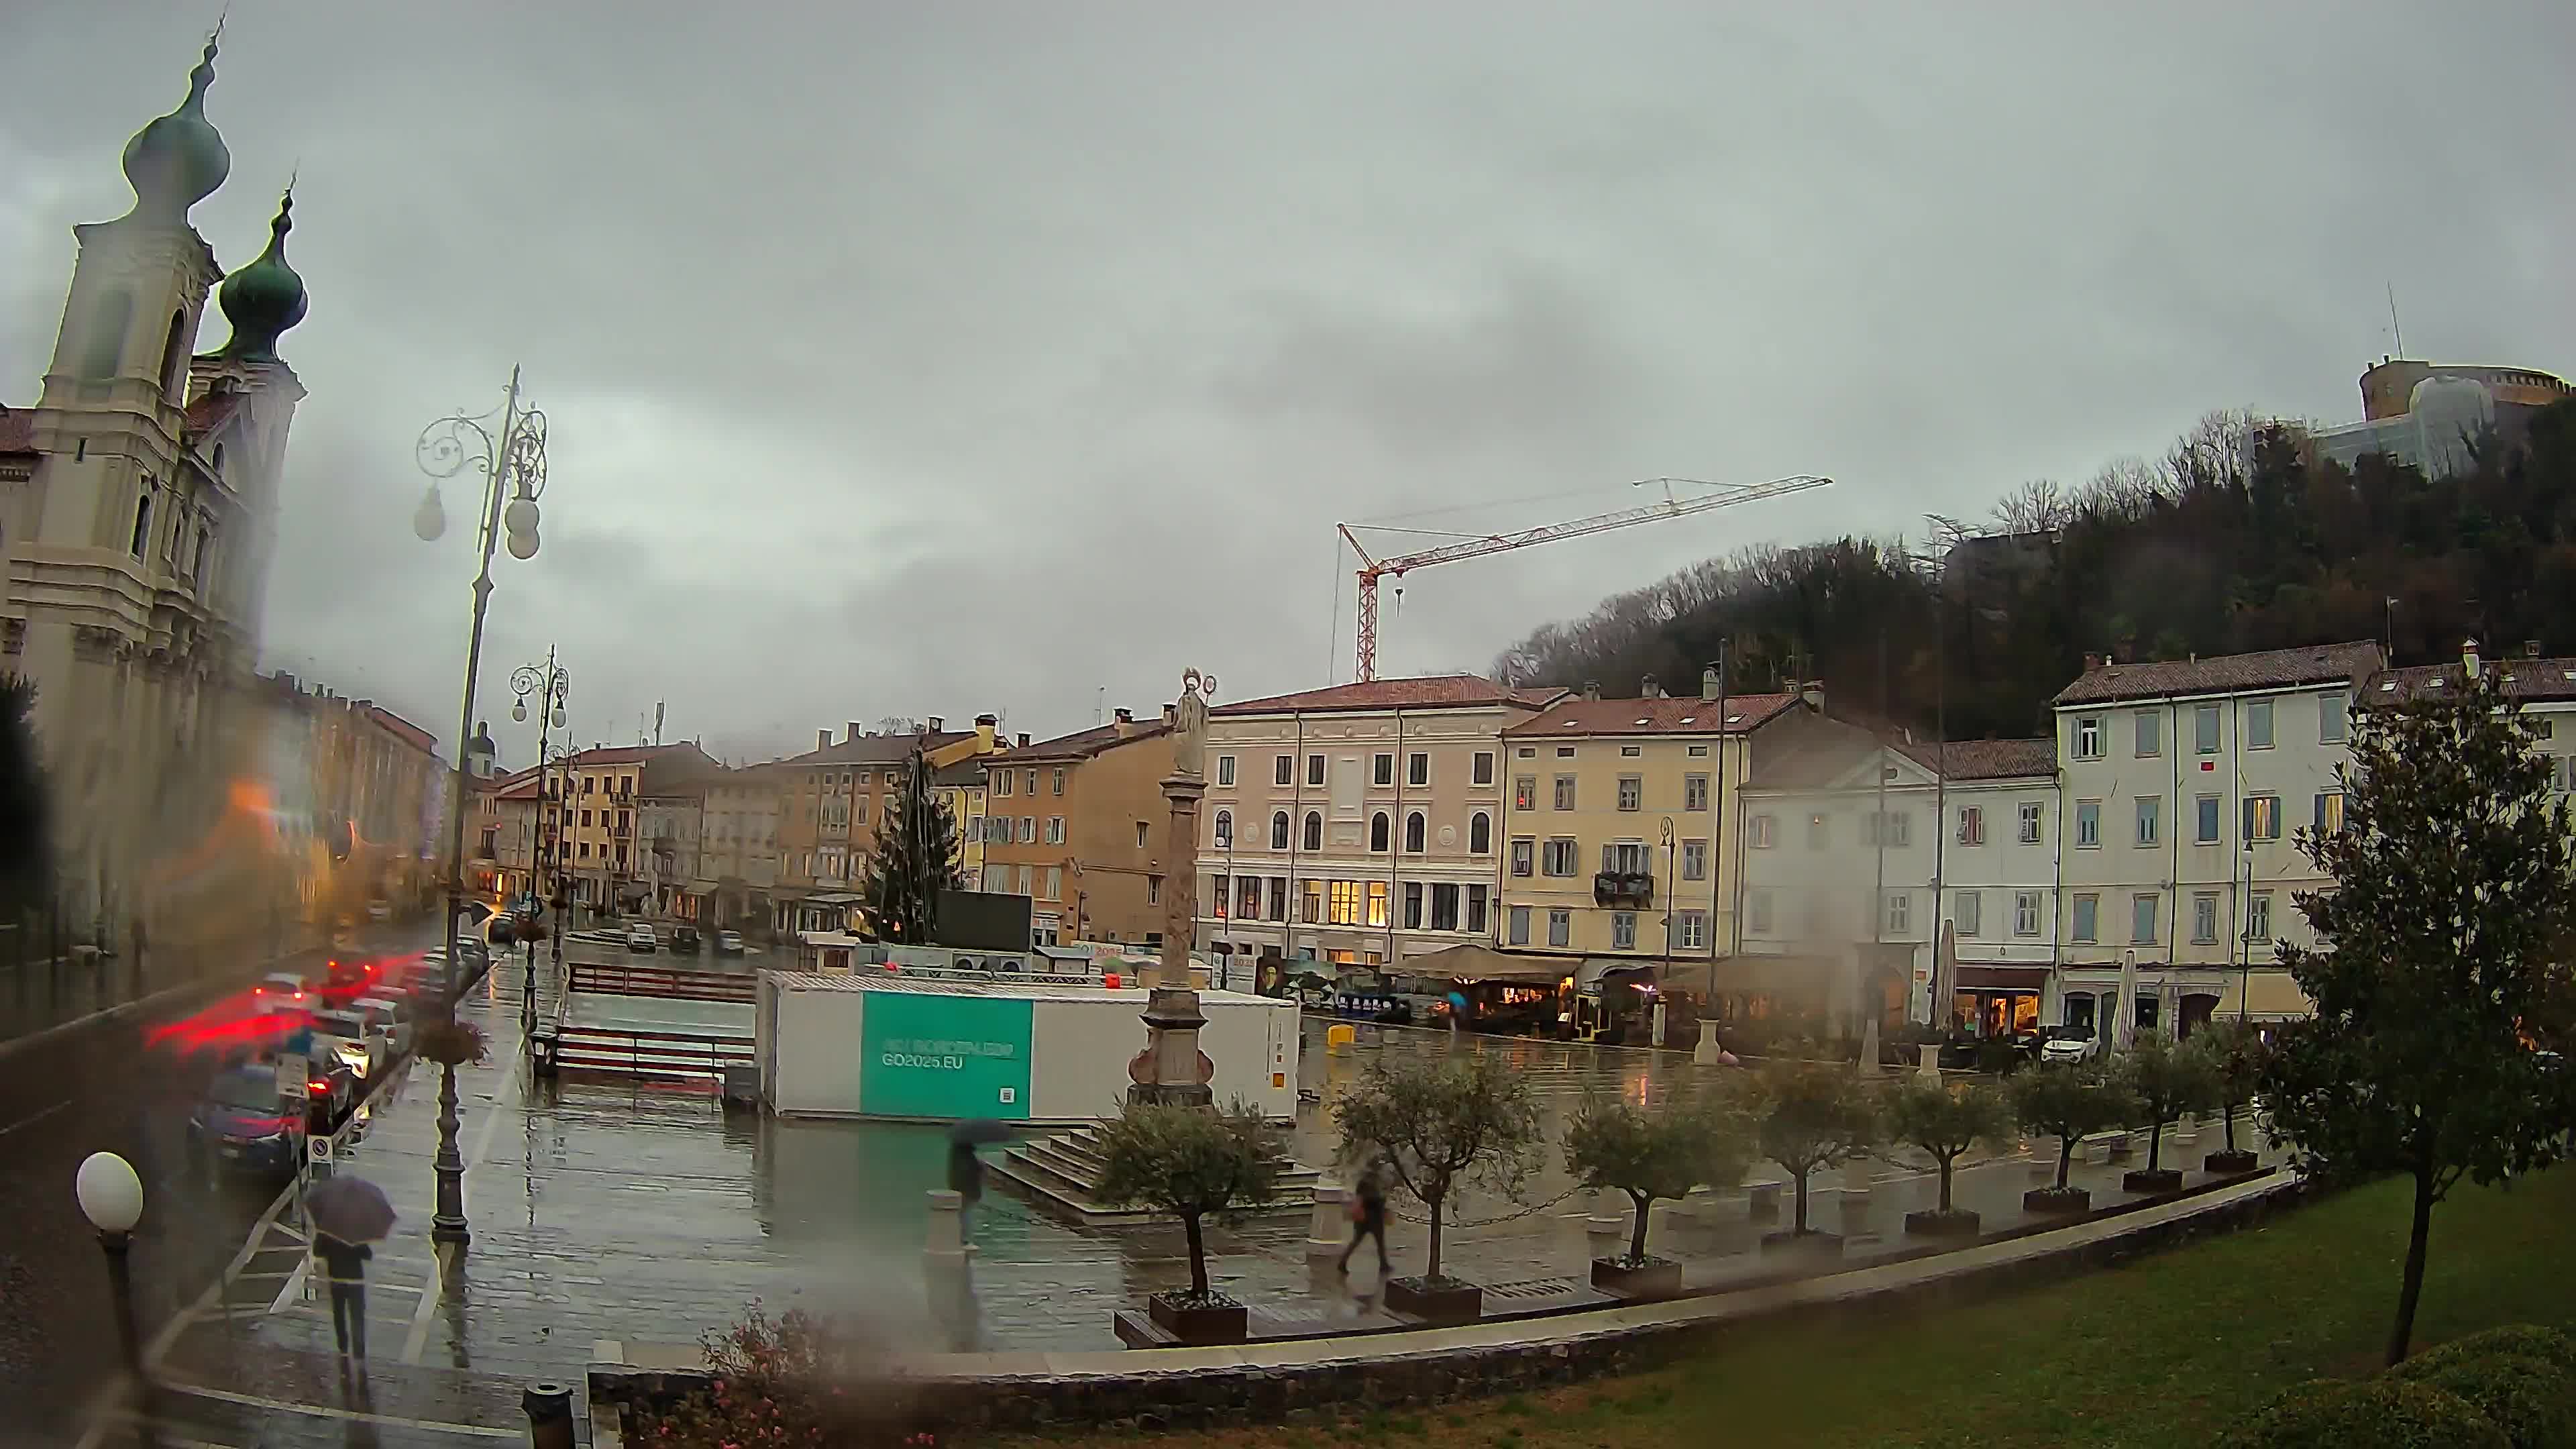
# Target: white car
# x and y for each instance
(355, 1045)
(388, 1017)
(639, 939)
(2069, 1044)
(728, 943)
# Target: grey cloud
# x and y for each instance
(925, 360)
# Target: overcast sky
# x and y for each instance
(924, 360)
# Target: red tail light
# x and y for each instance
(318, 1087)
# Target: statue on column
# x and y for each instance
(1190, 724)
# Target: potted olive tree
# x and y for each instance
(1436, 1124)
(1194, 1165)
(2237, 1051)
(1811, 1116)
(2166, 1079)
(2067, 1101)
(1942, 1121)
(1613, 1143)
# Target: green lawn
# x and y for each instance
(2160, 1352)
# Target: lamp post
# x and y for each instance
(550, 685)
(512, 461)
(111, 1197)
(1672, 868)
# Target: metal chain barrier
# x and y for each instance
(1556, 1201)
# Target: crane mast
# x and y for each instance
(1475, 545)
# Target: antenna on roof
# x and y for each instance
(2392, 320)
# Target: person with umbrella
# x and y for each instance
(965, 1169)
(348, 1213)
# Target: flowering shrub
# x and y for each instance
(788, 1381)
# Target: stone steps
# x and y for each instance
(1061, 1174)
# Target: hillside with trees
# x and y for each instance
(2235, 540)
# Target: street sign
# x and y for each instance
(317, 1150)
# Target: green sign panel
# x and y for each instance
(944, 1056)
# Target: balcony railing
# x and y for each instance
(1623, 888)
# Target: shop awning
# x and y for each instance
(2274, 997)
(1483, 963)
(1985, 976)
(1746, 975)
(1598, 969)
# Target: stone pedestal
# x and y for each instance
(1329, 1224)
(1610, 1214)
(1856, 1184)
(1929, 1062)
(945, 1246)
(2187, 1132)
(1705, 1054)
(1171, 1070)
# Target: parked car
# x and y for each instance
(2068, 1044)
(391, 1017)
(684, 939)
(728, 943)
(380, 911)
(346, 1036)
(243, 1123)
(279, 989)
(639, 939)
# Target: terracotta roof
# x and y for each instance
(521, 786)
(1083, 744)
(964, 774)
(632, 754)
(2225, 673)
(1665, 715)
(17, 430)
(209, 412)
(877, 749)
(1985, 759)
(1436, 691)
(400, 728)
(2525, 679)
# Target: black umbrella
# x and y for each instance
(978, 1129)
(351, 1209)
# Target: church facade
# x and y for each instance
(138, 514)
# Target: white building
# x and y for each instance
(1858, 854)
(2182, 781)
(138, 508)
(1839, 847)
(1998, 869)
(1357, 824)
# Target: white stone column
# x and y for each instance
(1856, 1184)
(1328, 1225)
(1611, 1211)
(945, 1246)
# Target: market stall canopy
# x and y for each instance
(2274, 997)
(1471, 962)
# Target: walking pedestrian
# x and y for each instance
(966, 1179)
(346, 1262)
(1368, 1216)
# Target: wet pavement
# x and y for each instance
(604, 1212)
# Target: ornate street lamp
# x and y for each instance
(512, 462)
(111, 1197)
(551, 686)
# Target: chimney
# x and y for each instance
(2469, 657)
(938, 724)
(2530, 648)
(1708, 683)
(1171, 714)
(1023, 740)
(985, 726)
(1814, 695)
(1648, 689)
(822, 739)
(2092, 661)
(854, 730)
(1124, 721)
(1592, 689)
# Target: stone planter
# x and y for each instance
(2230, 1164)
(1438, 1300)
(1934, 1223)
(1644, 1280)
(2162, 1179)
(1214, 1319)
(2057, 1201)
(1813, 1240)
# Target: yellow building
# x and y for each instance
(1614, 815)
(832, 800)
(961, 788)
(607, 869)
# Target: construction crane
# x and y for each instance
(1476, 545)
